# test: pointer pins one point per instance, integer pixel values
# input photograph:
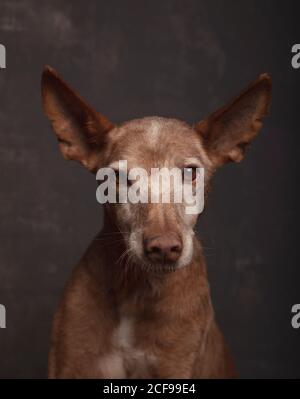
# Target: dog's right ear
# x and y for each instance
(80, 130)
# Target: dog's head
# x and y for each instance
(159, 235)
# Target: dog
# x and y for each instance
(138, 303)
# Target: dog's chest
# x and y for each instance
(127, 359)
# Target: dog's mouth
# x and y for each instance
(142, 263)
(160, 268)
(147, 266)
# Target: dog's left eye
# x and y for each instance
(189, 173)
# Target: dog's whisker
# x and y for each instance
(123, 255)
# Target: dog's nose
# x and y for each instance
(166, 248)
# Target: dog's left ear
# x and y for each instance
(227, 132)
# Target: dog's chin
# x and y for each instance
(161, 268)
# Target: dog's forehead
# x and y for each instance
(156, 141)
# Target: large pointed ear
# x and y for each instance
(80, 130)
(228, 132)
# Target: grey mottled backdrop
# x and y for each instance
(131, 59)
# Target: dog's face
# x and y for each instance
(159, 235)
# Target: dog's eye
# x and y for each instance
(189, 173)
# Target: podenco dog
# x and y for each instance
(138, 303)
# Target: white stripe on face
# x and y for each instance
(153, 133)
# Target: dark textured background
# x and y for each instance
(132, 59)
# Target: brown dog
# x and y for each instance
(138, 304)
